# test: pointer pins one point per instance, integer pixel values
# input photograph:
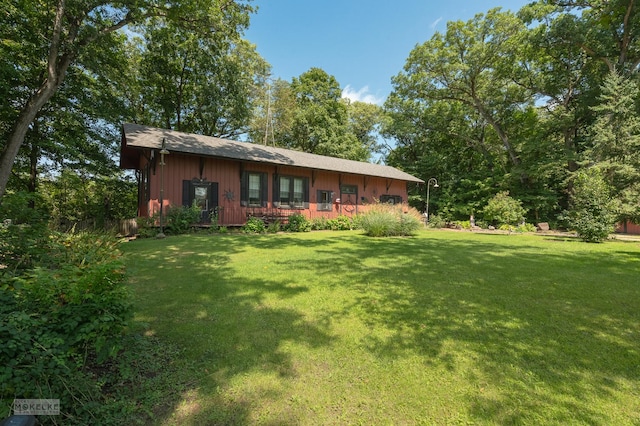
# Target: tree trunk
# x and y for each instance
(19, 131)
(56, 70)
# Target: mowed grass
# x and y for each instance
(441, 328)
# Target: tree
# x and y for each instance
(320, 123)
(365, 123)
(592, 209)
(458, 112)
(74, 32)
(616, 142)
(309, 115)
(197, 83)
(606, 30)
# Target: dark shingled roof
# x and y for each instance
(138, 136)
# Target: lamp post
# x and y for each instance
(433, 181)
(163, 152)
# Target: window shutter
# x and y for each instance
(244, 189)
(276, 190)
(213, 195)
(305, 192)
(265, 189)
(186, 193)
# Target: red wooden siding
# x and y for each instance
(227, 174)
(628, 228)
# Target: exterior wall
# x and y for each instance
(628, 228)
(228, 174)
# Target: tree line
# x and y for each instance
(527, 102)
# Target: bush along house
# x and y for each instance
(233, 181)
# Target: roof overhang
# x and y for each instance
(137, 138)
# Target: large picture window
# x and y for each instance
(291, 192)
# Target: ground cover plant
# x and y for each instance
(445, 327)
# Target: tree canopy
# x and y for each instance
(519, 102)
(44, 43)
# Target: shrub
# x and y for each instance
(146, 226)
(340, 223)
(298, 223)
(180, 218)
(436, 221)
(274, 227)
(61, 319)
(384, 220)
(320, 223)
(253, 226)
(502, 209)
(591, 208)
(462, 224)
(526, 227)
(24, 232)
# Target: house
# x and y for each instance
(236, 180)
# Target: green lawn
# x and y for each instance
(441, 328)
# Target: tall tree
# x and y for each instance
(73, 31)
(320, 123)
(310, 115)
(606, 30)
(365, 123)
(459, 103)
(616, 142)
(199, 83)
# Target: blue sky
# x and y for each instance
(362, 43)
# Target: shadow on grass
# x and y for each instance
(223, 325)
(549, 330)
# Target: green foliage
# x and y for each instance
(616, 137)
(254, 225)
(320, 223)
(386, 220)
(310, 115)
(146, 226)
(436, 221)
(298, 223)
(62, 318)
(195, 82)
(94, 202)
(274, 227)
(180, 218)
(24, 232)
(526, 227)
(50, 84)
(504, 210)
(592, 210)
(462, 224)
(340, 223)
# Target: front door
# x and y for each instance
(348, 199)
(204, 195)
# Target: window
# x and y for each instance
(291, 192)
(325, 198)
(391, 199)
(253, 189)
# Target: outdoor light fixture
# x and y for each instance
(163, 152)
(431, 181)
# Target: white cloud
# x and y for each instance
(435, 23)
(361, 95)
